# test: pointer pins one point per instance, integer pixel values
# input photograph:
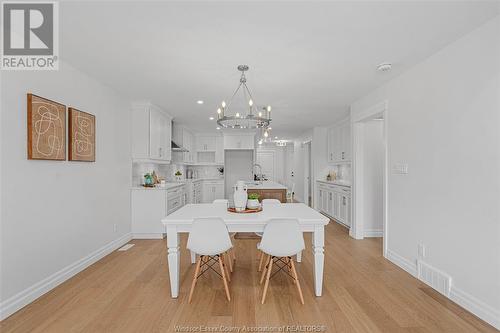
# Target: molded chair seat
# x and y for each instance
(281, 240)
(209, 238)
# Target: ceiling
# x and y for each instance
(309, 60)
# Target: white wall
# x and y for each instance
(443, 120)
(57, 213)
(373, 175)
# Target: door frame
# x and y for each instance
(357, 225)
(307, 146)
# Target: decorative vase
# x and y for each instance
(240, 196)
(253, 203)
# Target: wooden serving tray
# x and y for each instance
(246, 211)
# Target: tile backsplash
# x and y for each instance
(168, 171)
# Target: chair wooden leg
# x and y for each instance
(267, 279)
(265, 267)
(222, 270)
(224, 259)
(195, 278)
(261, 260)
(297, 283)
(229, 260)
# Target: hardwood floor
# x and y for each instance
(129, 292)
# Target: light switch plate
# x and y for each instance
(400, 168)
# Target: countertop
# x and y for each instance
(336, 182)
(172, 184)
(267, 185)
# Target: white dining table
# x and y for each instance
(181, 221)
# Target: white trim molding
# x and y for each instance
(477, 307)
(463, 299)
(373, 233)
(407, 265)
(25, 297)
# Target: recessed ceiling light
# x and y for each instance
(199, 102)
(211, 118)
(217, 128)
(275, 137)
(384, 67)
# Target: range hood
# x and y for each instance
(176, 147)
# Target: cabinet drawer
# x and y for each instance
(175, 191)
(174, 204)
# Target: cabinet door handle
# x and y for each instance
(159, 151)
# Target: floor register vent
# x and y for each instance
(434, 278)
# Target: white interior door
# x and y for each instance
(267, 161)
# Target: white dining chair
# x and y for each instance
(210, 240)
(231, 256)
(221, 201)
(261, 258)
(282, 239)
(270, 202)
(290, 193)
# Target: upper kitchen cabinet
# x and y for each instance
(151, 133)
(209, 149)
(206, 143)
(239, 141)
(183, 138)
(339, 143)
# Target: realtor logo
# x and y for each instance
(29, 36)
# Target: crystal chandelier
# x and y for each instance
(251, 118)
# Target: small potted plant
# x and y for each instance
(178, 175)
(253, 201)
(148, 180)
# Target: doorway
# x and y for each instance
(370, 175)
(308, 174)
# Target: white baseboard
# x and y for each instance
(25, 297)
(373, 233)
(477, 307)
(407, 265)
(468, 302)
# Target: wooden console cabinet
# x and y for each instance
(270, 194)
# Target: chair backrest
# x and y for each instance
(270, 201)
(209, 236)
(282, 238)
(221, 201)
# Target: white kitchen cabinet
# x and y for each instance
(205, 143)
(212, 189)
(149, 206)
(219, 150)
(240, 141)
(151, 133)
(184, 138)
(335, 201)
(339, 143)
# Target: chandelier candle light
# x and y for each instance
(249, 120)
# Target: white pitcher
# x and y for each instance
(240, 196)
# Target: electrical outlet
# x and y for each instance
(115, 227)
(421, 250)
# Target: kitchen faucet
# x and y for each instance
(260, 172)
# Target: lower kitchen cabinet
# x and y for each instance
(149, 206)
(212, 189)
(279, 194)
(335, 201)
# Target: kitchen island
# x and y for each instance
(267, 190)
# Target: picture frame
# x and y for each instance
(81, 135)
(46, 130)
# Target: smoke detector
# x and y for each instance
(384, 67)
